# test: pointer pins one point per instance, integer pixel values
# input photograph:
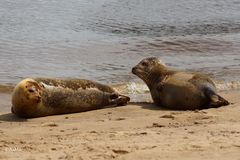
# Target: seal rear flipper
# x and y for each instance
(218, 101)
(215, 100)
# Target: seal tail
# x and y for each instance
(215, 99)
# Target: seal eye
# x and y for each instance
(31, 90)
(145, 64)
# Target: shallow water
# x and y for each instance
(102, 39)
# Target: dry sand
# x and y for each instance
(133, 132)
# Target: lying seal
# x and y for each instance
(42, 97)
(177, 89)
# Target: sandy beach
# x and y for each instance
(102, 41)
(137, 131)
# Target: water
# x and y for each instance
(102, 39)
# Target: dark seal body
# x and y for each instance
(43, 96)
(178, 90)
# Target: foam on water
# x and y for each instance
(223, 86)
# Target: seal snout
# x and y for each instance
(134, 70)
(137, 70)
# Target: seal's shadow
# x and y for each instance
(9, 117)
(149, 106)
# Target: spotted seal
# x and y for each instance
(37, 97)
(175, 89)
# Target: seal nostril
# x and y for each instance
(134, 69)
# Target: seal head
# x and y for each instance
(149, 70)
(26, 97)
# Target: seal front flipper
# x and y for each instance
(215, 100)
(118, 99)
(160, 86)
(122, 100)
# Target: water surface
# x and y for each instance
(102, 39)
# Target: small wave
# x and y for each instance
(189, 45)
(135, 88)
(232, 85)
(138, 92)
(163, 30)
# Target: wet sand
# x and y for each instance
(137, 131)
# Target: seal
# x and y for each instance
(38, 97)
(175, 89)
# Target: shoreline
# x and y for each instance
(6, 88)
(136, 131)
